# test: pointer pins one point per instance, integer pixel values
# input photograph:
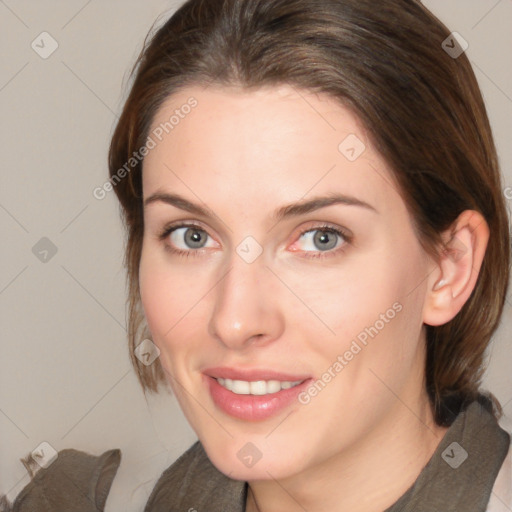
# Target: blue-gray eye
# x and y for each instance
(193, 237)
(322, 239)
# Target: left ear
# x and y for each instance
(454, 277)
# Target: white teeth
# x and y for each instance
(259, 387)
(273, 386)
(241, 387)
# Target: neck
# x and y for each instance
(369, 477)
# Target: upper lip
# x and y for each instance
(252, 374)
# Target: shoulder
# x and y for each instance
(193, 482)
(501, 496)
(68, 480)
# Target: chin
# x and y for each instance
(251, 458)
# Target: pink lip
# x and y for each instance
(251, 375)
(252, 407)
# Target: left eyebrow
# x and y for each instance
(316, 203)
(290, 210)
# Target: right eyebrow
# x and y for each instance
(179, 202)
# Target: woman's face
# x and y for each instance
(285, 287)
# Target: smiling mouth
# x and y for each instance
(253, 394)
(258, 387)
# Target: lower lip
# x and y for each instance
(252, 407)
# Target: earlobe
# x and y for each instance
(454, 277)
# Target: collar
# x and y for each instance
(461, 473)
(458, 477)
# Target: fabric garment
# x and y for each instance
(459, 477)
(501, 496)
(75, 481)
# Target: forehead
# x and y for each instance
(271, 145)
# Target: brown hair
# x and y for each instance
(421, 106)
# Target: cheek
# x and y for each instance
(374, 309)
(351, 298)
(158, 299)
(168, 292)
(166, 300)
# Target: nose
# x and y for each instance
(246, 307)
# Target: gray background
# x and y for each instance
(66, 377)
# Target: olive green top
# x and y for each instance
(459, 476)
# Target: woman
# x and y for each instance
(318, 255)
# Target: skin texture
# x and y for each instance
(362, 441)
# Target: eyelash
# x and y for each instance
(345, 236)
